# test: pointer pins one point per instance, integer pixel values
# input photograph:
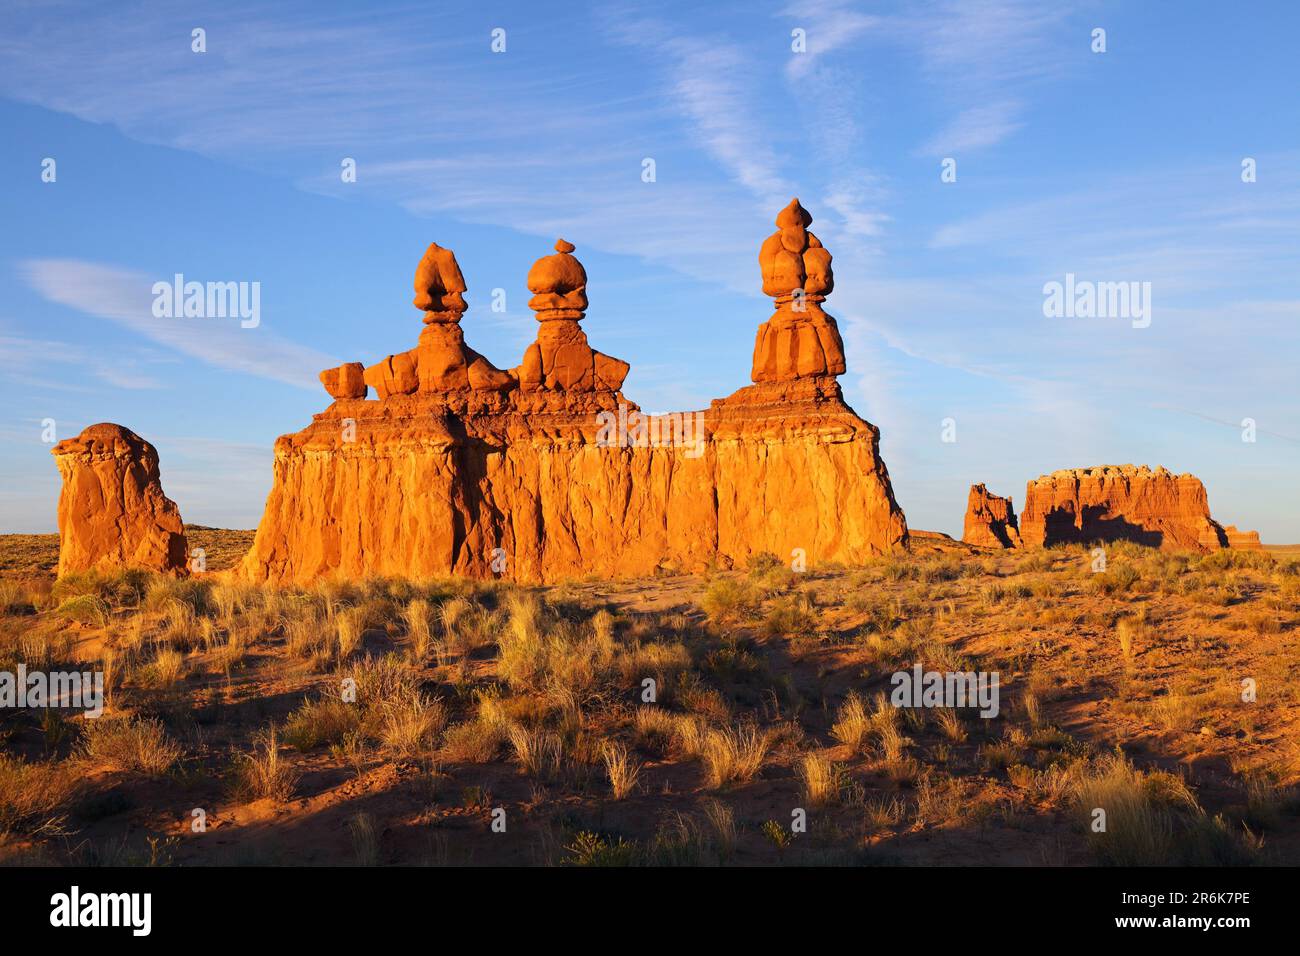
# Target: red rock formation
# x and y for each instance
(990, 520)
(1114, 503)
(561, 357)
(528, 483)
(799, 339)
(441, 361)
(112, 510)
(1247, 540)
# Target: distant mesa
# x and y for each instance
(1124, 503)
(112, 510)
(990, 520)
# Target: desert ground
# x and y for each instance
(231, 736)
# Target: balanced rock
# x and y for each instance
(561, 358)
(1120, 503)
(112, 510)
(800, 339)
(346, 381)
(990, 520)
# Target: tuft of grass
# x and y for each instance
(621, 769)
(132, 744)
(852, 724)
(539, 752)
(820, 780)
(410, 726)
(733, 755)
(729, 599)
(323, 722)
(33, 796)
(262, 774)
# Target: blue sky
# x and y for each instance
(225, 166)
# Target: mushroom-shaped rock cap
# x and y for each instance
(559, 273)
(439, 285)
(107, 439)
(793, 215)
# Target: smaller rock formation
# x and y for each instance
(561, 359)
(990, 520)
(346, 381)
(1120, 503)
(112, 510)
(799, 340)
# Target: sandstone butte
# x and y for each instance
(990, 520)
(460, 467)
(112, 510)
(1124, 502)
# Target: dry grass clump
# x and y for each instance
(165, 670)
(409, 726)
(852, 725)
(34, 796)
(324, 722)
(129, 743)
(540, 752)
(733, 755)
(621, 769)
(1151, 819)
(728, 598)
(262, 773)
(820, 779)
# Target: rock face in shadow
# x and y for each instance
(112, 510)
(550, 472)
(990, 520)
(1120, 503)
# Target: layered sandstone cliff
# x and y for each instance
(990, 520)
(1113, 503)
(112, 510)
(546, 470)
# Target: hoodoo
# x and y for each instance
(112, 510)
(460, 467)
(990, 520)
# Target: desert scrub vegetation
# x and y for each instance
(613, 717)
(139, 744)
(1152, 818)
(34, 796)
(262, 773)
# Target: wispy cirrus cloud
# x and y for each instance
(125, 297)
